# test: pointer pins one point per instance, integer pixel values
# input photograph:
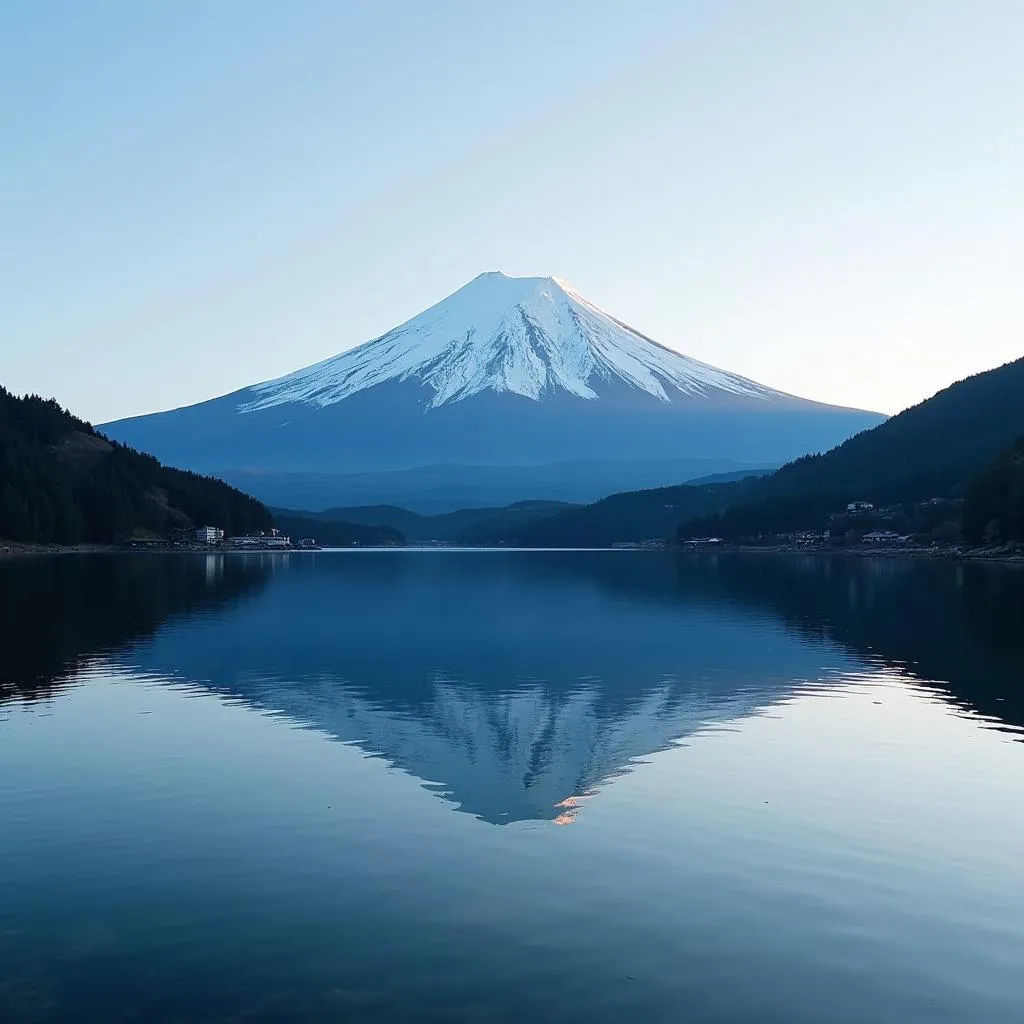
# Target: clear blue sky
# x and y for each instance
(826, 197)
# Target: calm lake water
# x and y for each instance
(501, 786)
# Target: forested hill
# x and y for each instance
(925, 451)
(932, 450)
(63, 482)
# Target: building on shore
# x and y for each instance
(272, 539)
(209, 535)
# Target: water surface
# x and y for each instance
(496, 786)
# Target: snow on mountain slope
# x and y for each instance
(510, 388)
(531, 336)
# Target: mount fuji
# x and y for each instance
(509, 388)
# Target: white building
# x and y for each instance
(209, 535)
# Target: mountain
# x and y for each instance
(626, 517)
(440, 489)
(63, 482)
(932, 450)
(505, 375)
(337, 532)
(467, 526)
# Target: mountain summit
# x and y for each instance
(509, 388)
(529, 336)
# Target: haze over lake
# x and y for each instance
(568, 786)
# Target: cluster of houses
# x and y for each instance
(864, 525)
(270, 540)
(876, 538)
(214, 537)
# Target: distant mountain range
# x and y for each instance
(467, 526)
(510, 388)
(933, 450)
(471, 526)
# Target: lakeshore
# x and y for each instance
(1008, 553)
(14, 549)
(1003, 554)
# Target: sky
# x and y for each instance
(194, 197)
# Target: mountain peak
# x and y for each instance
(531, 336)
(508, 388)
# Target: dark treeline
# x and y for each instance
(629, 516)
(992, 512)
(766, 517)
(336, 532)
(926, 451)
(63, 482)
(994, 503)
(955, 626)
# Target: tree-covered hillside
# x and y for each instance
(929, 451)
(337, 533)
(925, 451)
(468, 526)
(994, 504)
(63, 482)
(620, 518)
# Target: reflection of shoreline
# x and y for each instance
(954, 623)
(57, 613)
(509, 684)
(12, 549)
(514, 683)
(950, 554)
(16, 549)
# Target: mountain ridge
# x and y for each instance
(496, 333)
(504, 373)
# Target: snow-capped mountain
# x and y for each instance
(529, 336)
(509, 373)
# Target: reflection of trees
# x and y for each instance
(57, 611)
(517, 681)
(959, 625)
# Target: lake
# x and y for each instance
(506, 786)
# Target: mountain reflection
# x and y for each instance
(513, 684)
